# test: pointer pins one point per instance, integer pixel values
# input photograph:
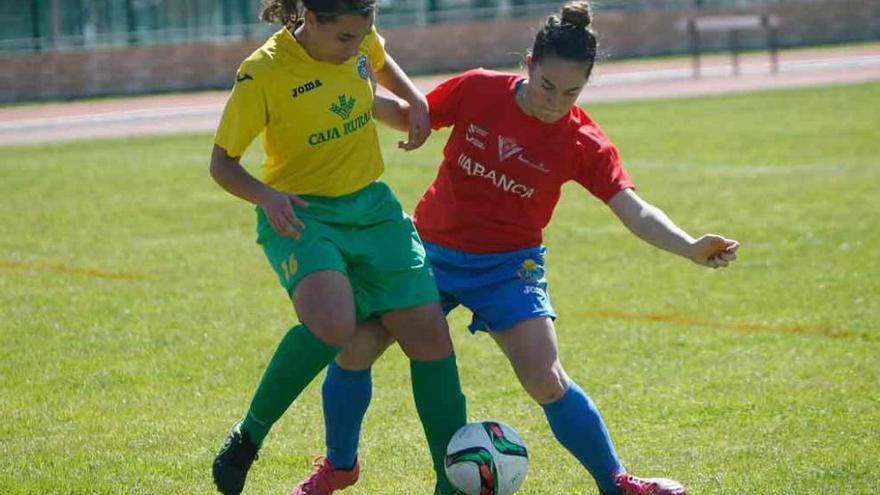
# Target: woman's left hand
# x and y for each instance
(714, 251)
(419, 125)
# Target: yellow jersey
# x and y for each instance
(315, 117)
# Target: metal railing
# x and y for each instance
(41, 25)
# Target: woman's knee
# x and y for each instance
(366, 346)
(422, 332)
(333, 329)
(325, 304)
(546, 386)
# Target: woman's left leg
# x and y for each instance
(423, 335)
(392, 280)
(531, 348)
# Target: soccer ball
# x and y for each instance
(486, 458)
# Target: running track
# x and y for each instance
(671, 78)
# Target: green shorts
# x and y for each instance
(364, 235)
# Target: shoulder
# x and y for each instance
(588, 135)
(485, 84)
(486, 77)
(372, 39)
(255, 66)
(264, 59)
(372, 50)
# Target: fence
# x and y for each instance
(46, 25)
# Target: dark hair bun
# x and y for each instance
(577, 13)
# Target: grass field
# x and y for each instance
(137, 313)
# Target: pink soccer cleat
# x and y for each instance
(632, 485)
(326, 479)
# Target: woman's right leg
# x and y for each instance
(347, 391)
(325, 307)
(346, 395)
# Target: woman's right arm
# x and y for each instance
(231, 176)
(278, 206)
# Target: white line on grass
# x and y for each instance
(111, 117)
(759, 169)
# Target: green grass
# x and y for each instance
(137, 313)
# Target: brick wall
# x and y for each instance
(108, 71)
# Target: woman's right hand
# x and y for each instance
(278, 207)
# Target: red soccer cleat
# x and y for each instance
(632, 485)
(326, 479)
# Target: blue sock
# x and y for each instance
(578, 426)
(346, 396)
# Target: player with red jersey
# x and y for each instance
(515, 141)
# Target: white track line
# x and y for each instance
(109, 117)
(750, 66)
(746, 68)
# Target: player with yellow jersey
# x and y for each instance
(337, 238)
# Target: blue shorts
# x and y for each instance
(500, 289)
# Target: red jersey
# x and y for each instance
(502, 170)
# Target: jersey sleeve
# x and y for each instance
(599, 168)
(444, 101)
(245, 115)
(374, 47)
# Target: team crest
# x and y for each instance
(507, 147)
(362, 67)
(530, 272)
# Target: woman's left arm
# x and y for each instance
(653, 226)
(392, 77)
(391, 111)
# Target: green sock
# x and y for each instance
(299, 358)
(441, 407)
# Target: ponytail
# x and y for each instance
(567, 34)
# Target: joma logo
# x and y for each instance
(305, 88)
